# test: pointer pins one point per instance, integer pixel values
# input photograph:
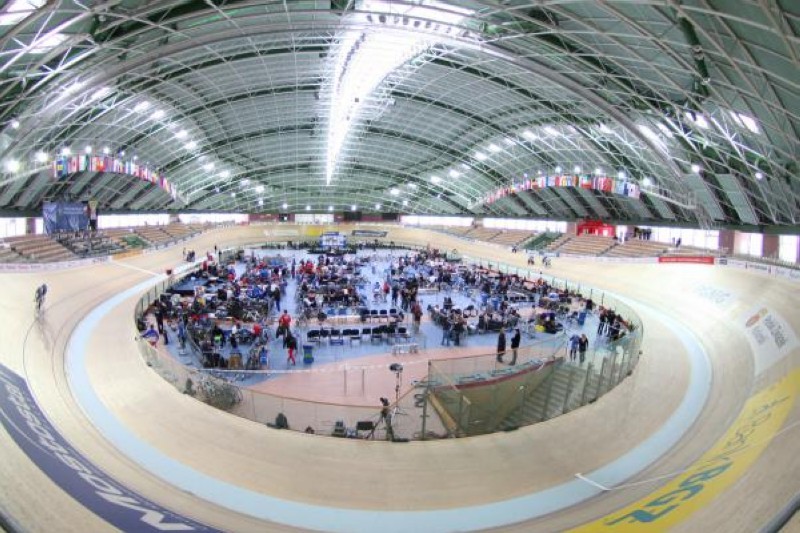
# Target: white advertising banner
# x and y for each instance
(770, 337)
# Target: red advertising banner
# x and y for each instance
(704, 260)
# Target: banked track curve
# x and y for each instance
(419, 476)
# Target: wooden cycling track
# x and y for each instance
(459, 473)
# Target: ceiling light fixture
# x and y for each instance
(12, 165)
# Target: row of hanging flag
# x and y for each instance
(597, 183)
(66, 165)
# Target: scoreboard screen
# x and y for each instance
(333, 240)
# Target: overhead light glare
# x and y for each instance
(17, 10)
(15, 124)
(551, 131)
(141, 106)
(191, 145)
(47, 42)
(41, 157)
(577, 169)
(106, 150)
(695, 168)
(158, 114)
(88, 149)
(480, 156)
(759, 175)
(353, 207)
(453, 173)
(259, 189)
(12, 165)
(436, 179)
(100, 93)
(494, 148)
(182, 134)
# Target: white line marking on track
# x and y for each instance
(590, 482)
(131, 267)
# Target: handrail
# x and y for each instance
(783, 517)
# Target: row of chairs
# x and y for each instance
(379, 315)
(336, 336)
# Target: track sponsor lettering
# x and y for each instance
(770, 336)
(759, 421)
(66, 467)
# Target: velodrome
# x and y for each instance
(610, 179)
(387, 483)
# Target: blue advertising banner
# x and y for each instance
(63, 216)
(67, 468)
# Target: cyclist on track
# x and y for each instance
(41, 292)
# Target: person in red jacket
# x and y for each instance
(283, 323)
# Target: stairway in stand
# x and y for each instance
(564, 390)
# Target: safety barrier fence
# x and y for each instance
(456, 397)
